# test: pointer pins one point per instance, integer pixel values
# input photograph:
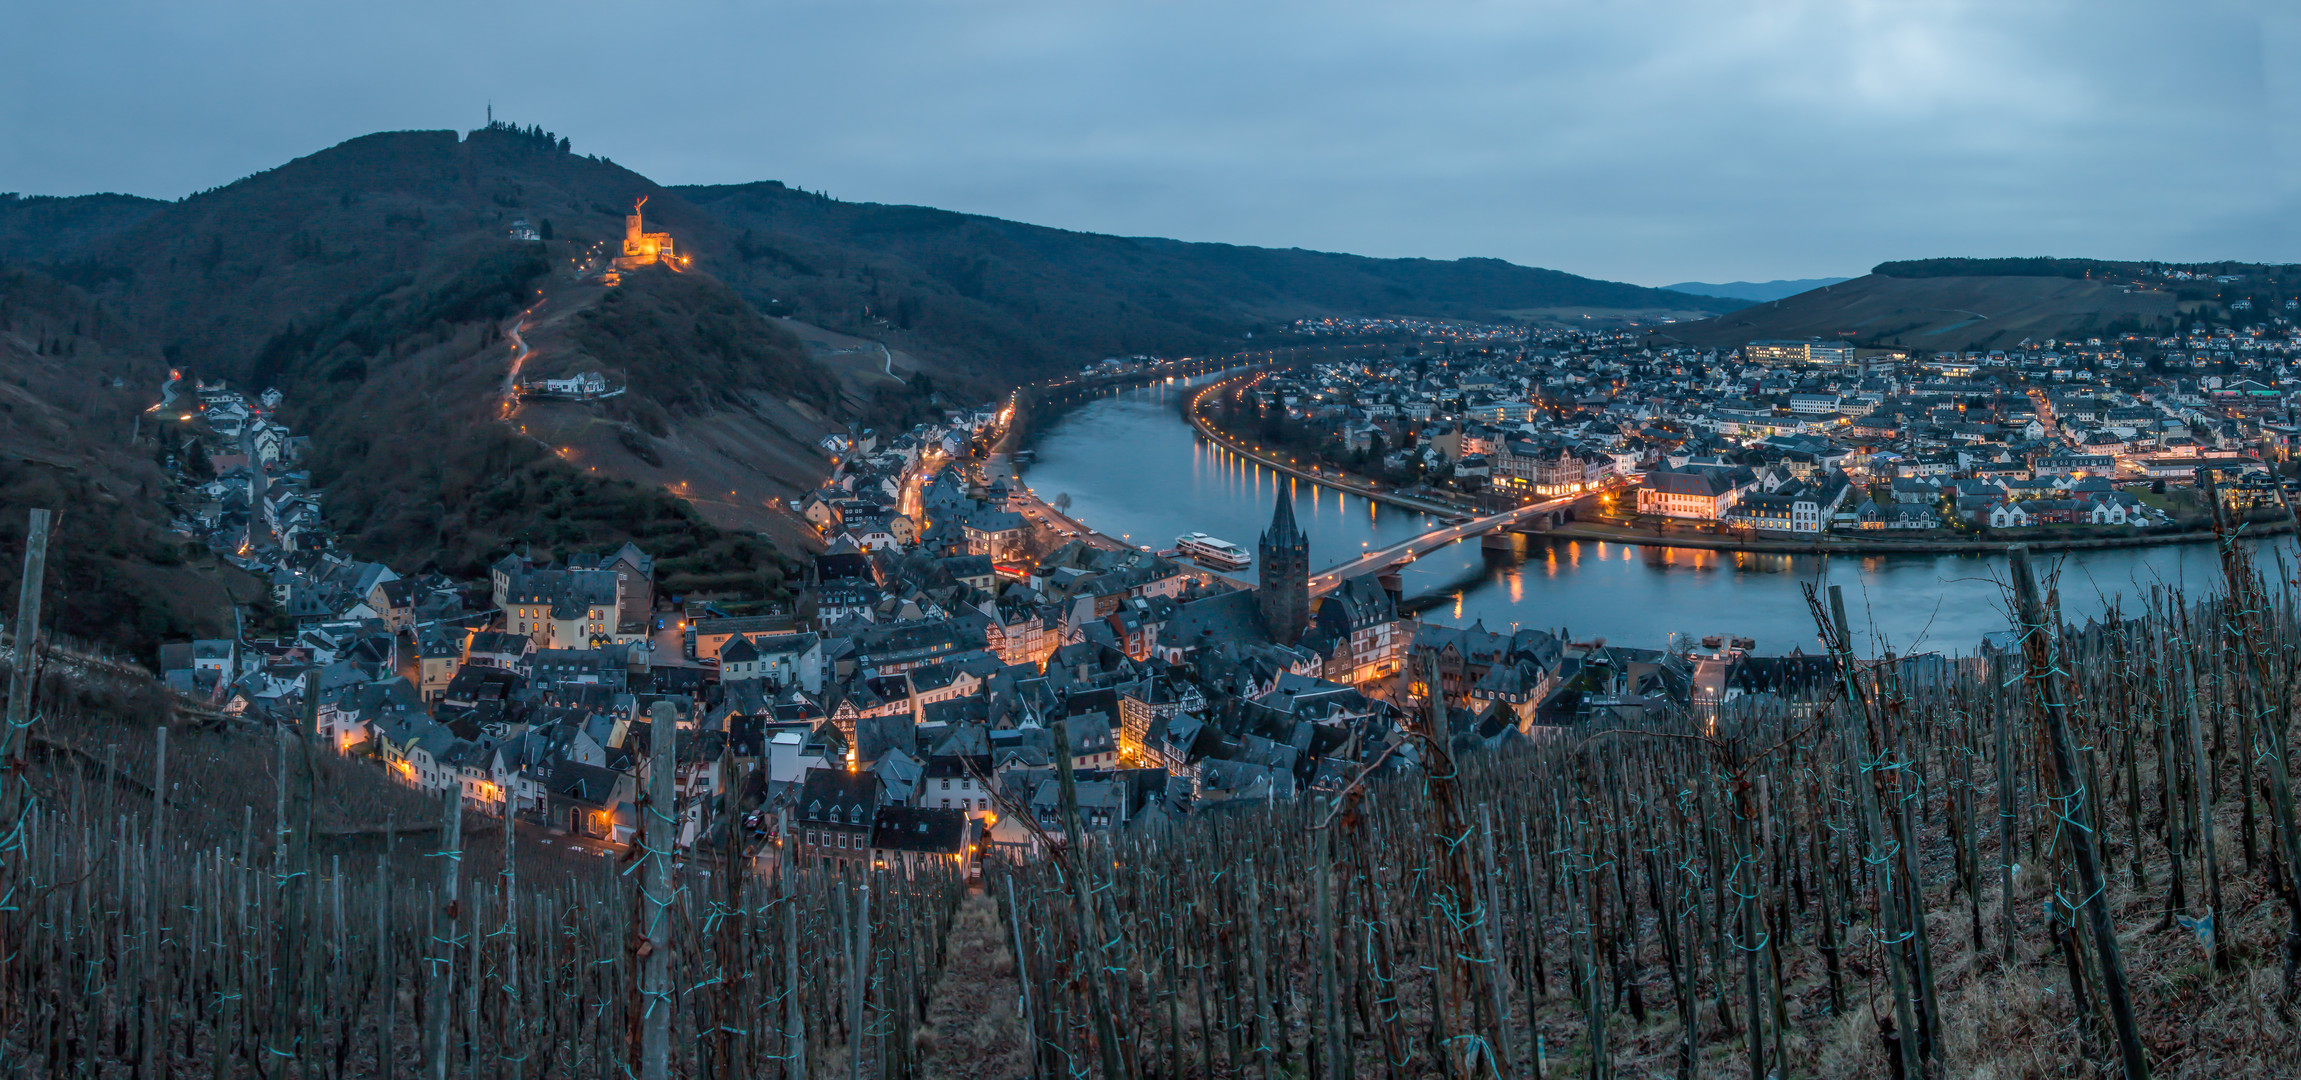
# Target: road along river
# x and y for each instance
(1135, 470)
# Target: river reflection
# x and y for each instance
(1134, 469)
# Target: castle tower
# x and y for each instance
(635, 236)
(643, 248)
(1285, 594)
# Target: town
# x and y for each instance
(956, 635)
(1150, 541)
(914, 702)
(1796, 439)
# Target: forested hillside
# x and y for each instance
(75, 380)
(987, 291)
(371, 283)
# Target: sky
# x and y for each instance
(1650, 141)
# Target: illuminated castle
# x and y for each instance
(643, 248)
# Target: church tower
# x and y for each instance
(1285, 593)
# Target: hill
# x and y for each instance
(986, 294)
(217, 276)
(386, 224)
(371, 282)
(1754, 291)
(44, 228)
(1959, 303)
(374, 284)
(74, 383)
(725, 406)
(1936, 313)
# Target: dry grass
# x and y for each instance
(2003, 1022)
(972, 1028)
(224, 786)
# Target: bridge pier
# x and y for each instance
(1498, 540)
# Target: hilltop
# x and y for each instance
(1942, 304)
(984, 293)
(1754, 291)
(1936, 313)
(42, 228)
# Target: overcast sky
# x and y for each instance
(1651, 141)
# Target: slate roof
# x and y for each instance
(1224, 618)
(927, 830)
(837, 797)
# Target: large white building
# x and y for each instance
(1699, 494)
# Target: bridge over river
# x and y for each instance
(1448, 524)
(1494, 528)
(1136, 471)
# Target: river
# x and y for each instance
(1135, 470)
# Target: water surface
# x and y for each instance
(1135, 469)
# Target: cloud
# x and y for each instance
(1646, 140)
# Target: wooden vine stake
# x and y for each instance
(658, 833)
(2038, 654)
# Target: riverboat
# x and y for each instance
(1210, 552)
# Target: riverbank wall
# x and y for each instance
(1866, 546)
(1206, 430)
(1038, 405)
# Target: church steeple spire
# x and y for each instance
(1285, 594)
(1283, 531)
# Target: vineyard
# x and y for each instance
(2072, 857)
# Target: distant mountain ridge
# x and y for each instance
(989, 292)
(986, 297)
(1936, 313)
(373, 283)
(1754, 291)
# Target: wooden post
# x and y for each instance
(12, 736)
(511, 1044)
(153, 1063)
(1023, 976)
(794, 1019)
(1329, 990)
(659, 825)
(2038, 651)
(387, 969)
(2216, 943)
(859, 977)
(2008, 816)
(438, 1020)
(1490, 940)
(1890, 907)
(1075, 867)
